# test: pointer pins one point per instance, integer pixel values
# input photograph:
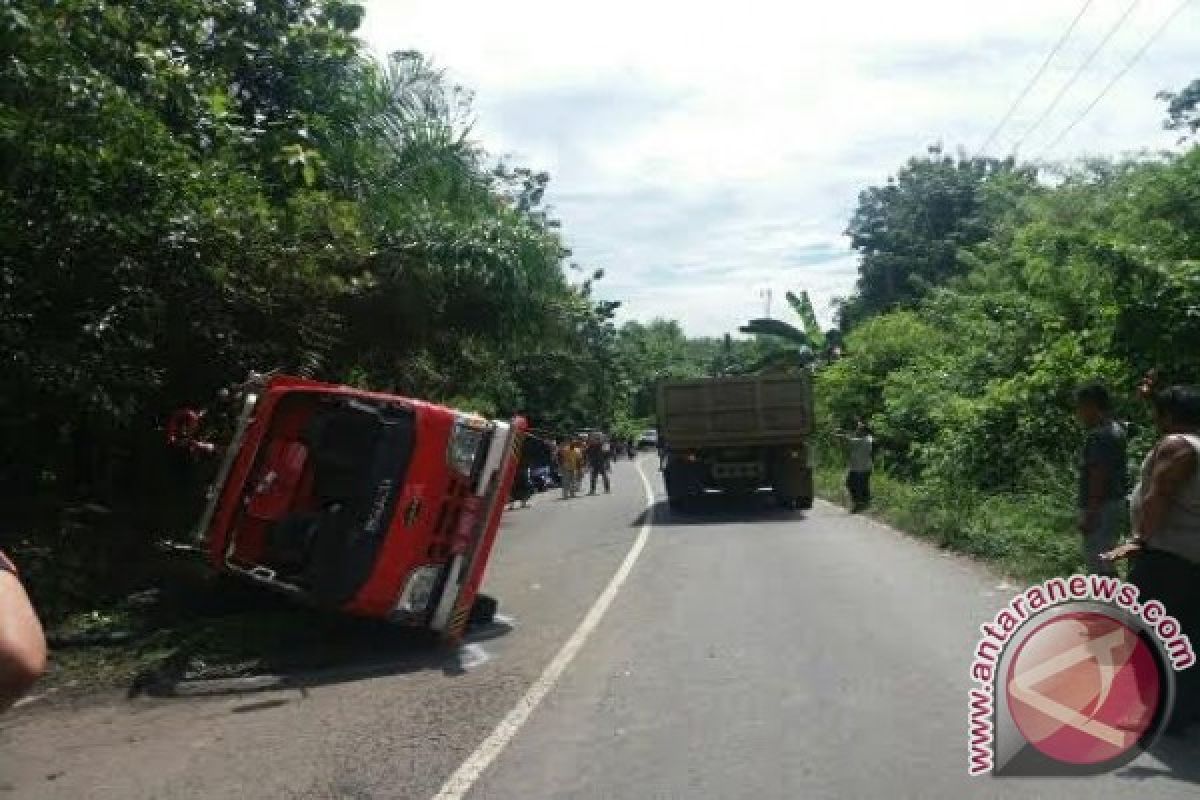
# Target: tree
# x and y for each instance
(1183, 110)
(909, 232)
(190, 190)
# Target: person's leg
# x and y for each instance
(1182, 601)
(607, 483)
(594, 474)
(854, 482)
(1189, 679)
(866, 489)
(1102, 538)
(1168, 579)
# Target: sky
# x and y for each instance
(703, 154)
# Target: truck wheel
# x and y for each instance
(483, 610)
(795, 503)
(680, 503)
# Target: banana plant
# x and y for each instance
(796, 349)
(803, 307)
(800, 347)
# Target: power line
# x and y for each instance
(1078, 72)
(1036, 76)
(1121, 74)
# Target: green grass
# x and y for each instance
(1029, 537)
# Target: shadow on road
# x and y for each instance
(1181, 757)
(318, 652)
(717, 509)
(219, 636)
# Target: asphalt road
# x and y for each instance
(749, 653)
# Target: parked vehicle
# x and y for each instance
(647, 439)
(544, 478)
(738, 434)
(372, 504)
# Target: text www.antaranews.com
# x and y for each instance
(1034, 600)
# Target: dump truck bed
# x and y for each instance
(754, 409)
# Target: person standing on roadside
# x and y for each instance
(1102, 478)
(567, 459)
(579, 447)
(522, 486)
(22, 641)
(1165, 515)
(859, 462)
(598, 455)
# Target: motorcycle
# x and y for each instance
(544, 478)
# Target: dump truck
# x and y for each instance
(738, 435)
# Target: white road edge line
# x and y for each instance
(458, 784)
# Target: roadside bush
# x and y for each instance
(1093, 278)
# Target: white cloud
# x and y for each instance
(698, 151)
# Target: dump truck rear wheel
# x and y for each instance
(680, 503)
(795, 503)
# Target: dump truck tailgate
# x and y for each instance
(735, 411)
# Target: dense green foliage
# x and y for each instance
(190, 190)
(1183, 109)
(1094, 275)
(659, 350)
(909, 232)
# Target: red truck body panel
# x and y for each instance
(342, 495)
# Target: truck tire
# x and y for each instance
(794, 503)
(684, 484)
(483, 610)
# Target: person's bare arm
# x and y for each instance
(1174, 463)
(22, 642)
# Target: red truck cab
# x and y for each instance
(372, 504)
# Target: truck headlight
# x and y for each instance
(418, 590)
(464, 446)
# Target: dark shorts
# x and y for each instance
(1175, 582)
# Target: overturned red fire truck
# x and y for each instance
(372, 504)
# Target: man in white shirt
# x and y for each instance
(859, 447)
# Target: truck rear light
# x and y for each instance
(418, 590)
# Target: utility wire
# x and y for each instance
(1078, 72)
(1121, 74)
(1036, 77)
